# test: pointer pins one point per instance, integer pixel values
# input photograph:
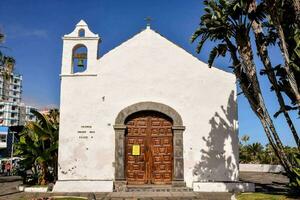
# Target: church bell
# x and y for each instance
(80, 63)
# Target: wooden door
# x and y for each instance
(152, 132)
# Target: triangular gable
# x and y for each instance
(140, 36)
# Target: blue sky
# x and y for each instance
(34, 29)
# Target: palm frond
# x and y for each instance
(219, 50)
(1, 37)
(197, 34)
(258, 14)
(201, 43)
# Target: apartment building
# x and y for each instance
(12, 111)
(11, 92)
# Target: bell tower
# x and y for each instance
(80, 50)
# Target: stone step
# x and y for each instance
(157, 188)
(164, 196)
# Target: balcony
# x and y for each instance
(14, 111)
(14, 87)
(18, 83)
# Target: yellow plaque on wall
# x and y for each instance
(136, 150)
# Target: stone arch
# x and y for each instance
(120, 128)
(149, 106)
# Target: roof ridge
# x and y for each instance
(130, 38)
(156, 32)
(187, 51)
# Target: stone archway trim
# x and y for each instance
(151, 106)
(119, 128)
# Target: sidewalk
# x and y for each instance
(266, 182)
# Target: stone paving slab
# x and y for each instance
(113, 196)
(266, 182)
(151, 194)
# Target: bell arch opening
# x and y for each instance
(162, 114)
(81, 32)
(79, 58)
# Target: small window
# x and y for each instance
(81, 33)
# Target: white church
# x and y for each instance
(145, 114)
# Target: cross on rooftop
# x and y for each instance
(148, 20)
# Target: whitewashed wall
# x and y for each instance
(261, 168)
(147, 67)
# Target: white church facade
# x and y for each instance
(145, 113)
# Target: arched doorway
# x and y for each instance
(169, 115)
(148, 148)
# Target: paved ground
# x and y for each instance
(264, 182)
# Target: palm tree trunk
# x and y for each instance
(43, 176)
(284, 49)
(279, 145)
(278, 153)
(296, 5)
(290, 75)
(250, 86)
(263, 53)
(245, 51)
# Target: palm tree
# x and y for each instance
(261, 45)
(255, 151)
(245, 138)
(38, 144)
(243, 153)
(229, 24)
(269, 155)
(285, 18)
